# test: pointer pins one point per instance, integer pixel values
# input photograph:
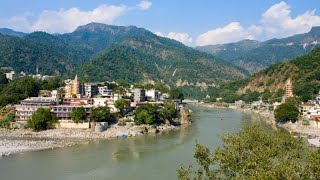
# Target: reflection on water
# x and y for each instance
(143, 157)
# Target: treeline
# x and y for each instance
(19, 89)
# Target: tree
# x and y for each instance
(287, 111)
(78, 114)
(168, 111)
(3, 79)
(176, 94)
(120, 104)
(101, 114)
(146, 114)
(257, 153)
(42, 119)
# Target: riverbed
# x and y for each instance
(151, 156)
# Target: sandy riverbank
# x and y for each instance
(57, 138)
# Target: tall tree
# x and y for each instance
(101, 114)
(42, 119)
(78, 114)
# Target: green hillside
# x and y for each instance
(151, 58)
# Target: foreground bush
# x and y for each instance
(255, 153)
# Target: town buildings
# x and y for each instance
(72, 88)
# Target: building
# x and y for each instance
(11, 75)
(63, 111)
(288, 89)
(78, 101)
(153, 94)
(104, 91)
(72, 88)
(27, 107)
(139, 95)
(90, 90)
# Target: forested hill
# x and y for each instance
(23, 54)
(97, 36)
(150, 58)
(254, 55)
(304, 71)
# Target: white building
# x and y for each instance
(153, 94)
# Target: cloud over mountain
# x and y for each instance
(275, 22)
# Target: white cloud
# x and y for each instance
(144, 4)
(182, 37)
(276, 22)
(229, 33)
(67, 20)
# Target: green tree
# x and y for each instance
(176, 94)
(146, 114)
(78, 114)
(120, 104)
(287, 111)
(255, 153)
(42, 119)
(6, 120)
(101, 114)
(168, 111)
(3, 79)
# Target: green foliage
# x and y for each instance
(3, 79)
(287, 111)
(78, 114)
(168, 111)
(51, 83)
(101, 114)
(176, 94)
(6, 120)
(42, 119)
(146, 114)
(18, 89)
(255, 153)
(120, 104)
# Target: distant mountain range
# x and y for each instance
(100, 52)
(254, 55)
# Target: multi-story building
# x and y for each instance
(153, 94)
(104, 91)
(139, 95)
(90, 90)
(288, 89)
(72, 87)
(27, 107)
(63, 111)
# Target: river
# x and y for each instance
(143, 157)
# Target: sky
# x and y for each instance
(194, 23)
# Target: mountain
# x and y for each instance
(99, 52)
(97, 36)
(254, 55)
(24, 54)
(303, 72)
(6, 31)
(144, 56)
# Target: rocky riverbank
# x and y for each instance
(67, 137)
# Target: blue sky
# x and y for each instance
(191, 22)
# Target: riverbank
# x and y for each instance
(57, 138)
(268, 117)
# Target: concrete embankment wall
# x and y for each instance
(71, 125)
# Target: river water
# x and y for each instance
(142, 157)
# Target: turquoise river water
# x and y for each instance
(142, 157)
